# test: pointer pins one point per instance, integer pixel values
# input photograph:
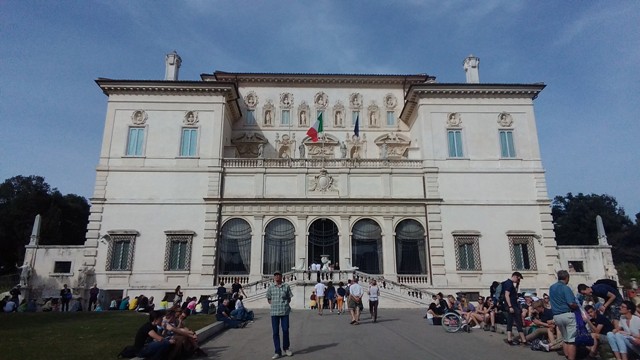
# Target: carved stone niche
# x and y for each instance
(356, 146)
(286, 145)
(249, 145)
(393, 146)
(325, 147)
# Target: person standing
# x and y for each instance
(177, 298)
(354, 301)
(236, 288)
(514, 312)
(374, 293)
(563, 304)
(320, 289)
(93, 297)
(279, 296)
(65, 297)
(340, 298)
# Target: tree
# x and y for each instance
(574, 218)
(64, 217)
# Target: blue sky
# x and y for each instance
(587, 52)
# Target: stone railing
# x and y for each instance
(320, 163)
(407, 292)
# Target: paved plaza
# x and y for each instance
(400, 334)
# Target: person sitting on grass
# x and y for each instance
(185, 340)
(223, 314)
(148, 343)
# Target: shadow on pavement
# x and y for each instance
(311, 349)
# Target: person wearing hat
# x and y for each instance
(279, 296)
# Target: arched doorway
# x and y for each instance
(234, 255)
(366, 245)
(410, 248)
(279, 246)
(323, 240)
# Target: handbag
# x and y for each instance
(583, 337)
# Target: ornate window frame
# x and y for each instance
(523, 238)
(467, 238)
(182, 236)
(116, 236)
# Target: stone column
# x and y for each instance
(388, 248)
(345, 243)
(301, 243)
(257, 239)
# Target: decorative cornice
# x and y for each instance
(437, 90)
(309, 78)
(111, 87)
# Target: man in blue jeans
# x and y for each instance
(279, 296)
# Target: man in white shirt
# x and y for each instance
(355, 301)
(320, 289)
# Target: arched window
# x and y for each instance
(279, 247)
(366, 244)
(410, 248)
(234, 252)
(323, 240)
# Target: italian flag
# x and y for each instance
(315, 129)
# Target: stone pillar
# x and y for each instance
(301, 243)
(388, 247)
(257, 240)
(345, 243)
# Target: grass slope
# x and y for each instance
(77, 335)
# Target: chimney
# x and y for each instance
(172, 62)
(471, 66)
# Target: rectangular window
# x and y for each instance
(286, 118)
(455, 143)
(507, 150)
(178, 254)
(120, 254)
(62, 267)
(576, 266)
(391, 119)
(135, 141)
(467, 252)
(251, 117)
(189, 142)
(354, 115)
(523, 256)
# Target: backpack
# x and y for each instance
(128, 352)
(609, 282)
(498, 296)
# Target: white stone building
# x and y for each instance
(201, 181)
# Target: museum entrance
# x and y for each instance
(323, 240)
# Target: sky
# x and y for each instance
(52, 113)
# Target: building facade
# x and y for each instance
(439, 186)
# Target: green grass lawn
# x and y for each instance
(74, 335)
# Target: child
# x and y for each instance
(312, 301)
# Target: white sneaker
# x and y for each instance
(276, 356)
(288, 352)
(476, 327)
(545, 347)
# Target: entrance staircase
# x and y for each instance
(392, 293)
